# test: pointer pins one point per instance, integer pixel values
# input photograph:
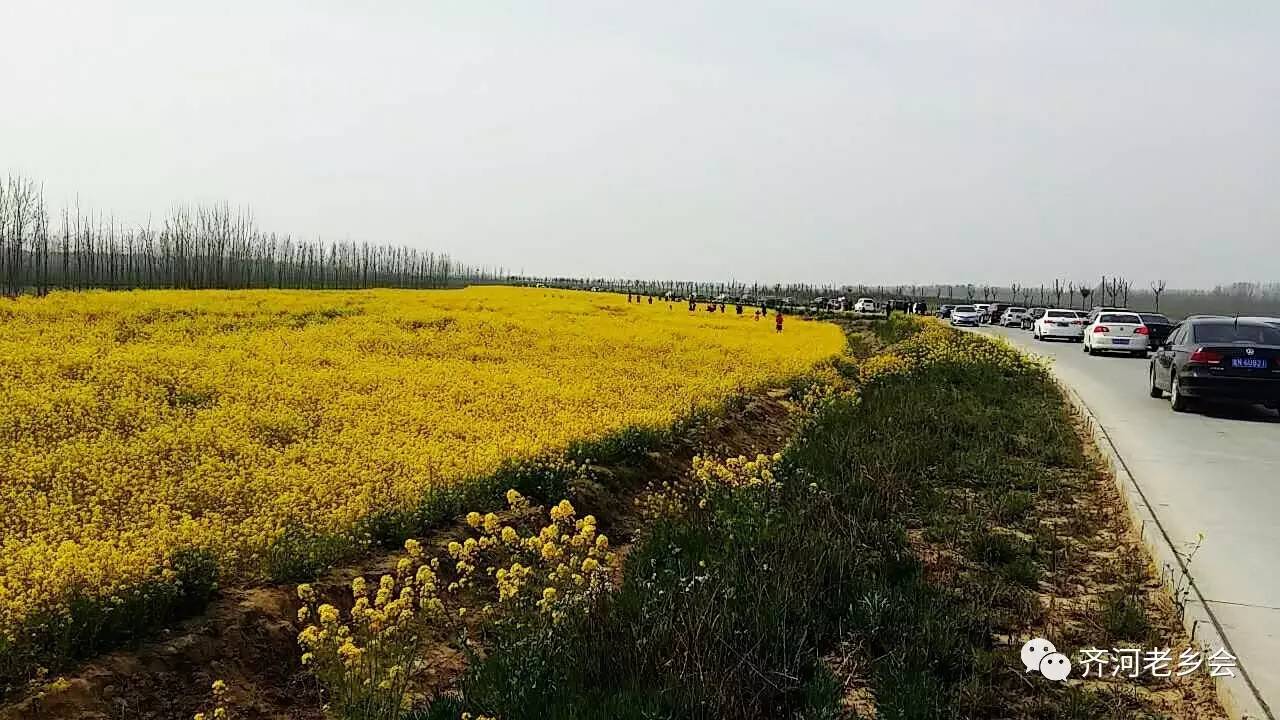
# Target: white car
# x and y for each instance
(1057, 323)
(1117, 332)
(966, 315)
(1013, 317)
(865, 305)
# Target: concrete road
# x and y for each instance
(1216, 471)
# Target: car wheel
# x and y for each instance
(1154, 390)
(1177, 400)
(1087, 350)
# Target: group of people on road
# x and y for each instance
(762, 311)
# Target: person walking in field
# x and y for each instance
(777, 321)
(757, 316)
(722, 307)
(650, 299)
(738, 308)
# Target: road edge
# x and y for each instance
(1237, 694)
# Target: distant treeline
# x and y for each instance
(207, 246)
(1242, 298)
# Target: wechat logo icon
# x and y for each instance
(1039, 655)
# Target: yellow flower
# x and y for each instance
(350, 653)
(550, 551)
(515, 500)
(562, 511)
(413, 548)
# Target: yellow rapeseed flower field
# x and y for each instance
(134, 423)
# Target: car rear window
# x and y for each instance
(964, 308)
(1060, 314)
(1256, 334)
(1120, 318)
(1154, 318)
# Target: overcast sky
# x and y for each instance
(811, 141)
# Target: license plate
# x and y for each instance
(1120, 341)
(1250, 363)
(1061, 324)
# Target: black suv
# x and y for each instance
(994, 312)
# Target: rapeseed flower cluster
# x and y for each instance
(935, 343)
(221, 709)
(365, 658)
(736, 471)
(137, 424)
(709, 478)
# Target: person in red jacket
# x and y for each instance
(777, 320)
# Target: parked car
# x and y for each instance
(994, 312)
(1158, 327)
(1057, 323)
(944, 311)
(1012, 317)
(982, 308)
(1218, 359)
(1029, 320)
(1117, 332)
(966, 315)
(920, 308)
(865, 305)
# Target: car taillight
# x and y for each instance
(1101, 329)
(1205, 357)
(1141, 330)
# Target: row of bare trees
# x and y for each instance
(1076, 293)
(206, 246)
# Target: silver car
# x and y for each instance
(966, 315)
